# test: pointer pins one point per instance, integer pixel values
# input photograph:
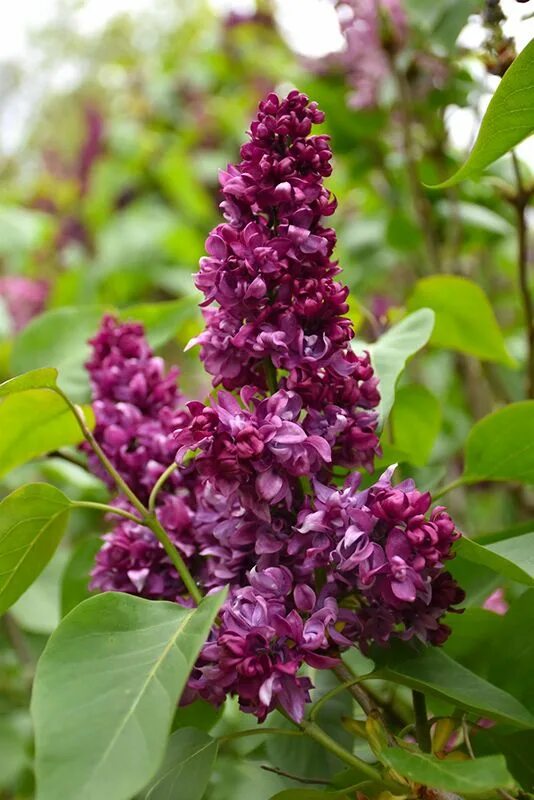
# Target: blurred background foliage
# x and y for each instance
(106, 202)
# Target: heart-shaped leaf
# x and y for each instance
(508, 120)
(511, 558)
(32, 522)
(187, 767)
(105, 692)
(458, 327)
(391, 352)
(463, 777)
(432, 670)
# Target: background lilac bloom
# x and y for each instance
(371, 29)
(24, 298)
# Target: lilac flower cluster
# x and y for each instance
(371, 29)
(24, 299)
(270, 271)
(252, 502)
(136, 406)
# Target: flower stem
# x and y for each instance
(520, 203)
(449, 487)
(259, 731)
(148, 519)
(158, 485)
(422, 729)
(316, 733)
(120, 512)
(152, 522)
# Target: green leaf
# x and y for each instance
(463, 777)
(511, 558)
(75, 579)
(35, 379)
(199, 714)
(391, 352)
(52, 426)
(508, 120)
(105, 691)
(416, 420)
(431, 670)
(162, 321)
(471, 632)
(32, 522)
(186, 771)
(512, 652)
(58, 338)
(500, 447)
(517, 748)
(464, 317)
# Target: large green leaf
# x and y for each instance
(463, 777)
(45, 378)
(512, 651)
(415, 422)
(390, 353)
(508, 120)
(511, 558)
(36, 422)
(464, 317)
(431, 670)
(187, 766)
(517, 748)
(32, 522)
(58, 338)
(105, 692)
(500, 447)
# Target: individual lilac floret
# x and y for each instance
(372, 29)
(135, 404)
(268, 630)
(388, 549)
(254, 455)
(24, 298)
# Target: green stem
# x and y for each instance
(449, 487)
(148, 519)
(120, 512)
(346, 685)
(347, 676)
(316, 733)
(158, 485)
(422, 729)
(152, 522)
(520, 203)
(259, 731)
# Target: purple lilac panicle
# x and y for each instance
(24, 299)
(253, 505)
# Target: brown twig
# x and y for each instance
(297, 778)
